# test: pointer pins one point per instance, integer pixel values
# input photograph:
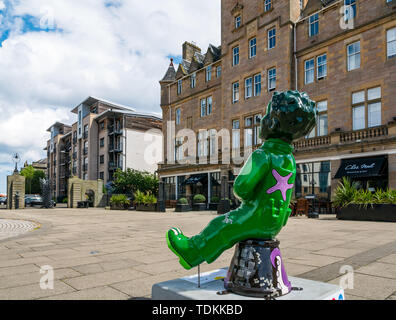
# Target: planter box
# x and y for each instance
(376, 212)
(146, 207)
(224, 207)
(213, 206)
(118, 207)
(199, 206)
(182, 208)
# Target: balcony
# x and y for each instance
(85, 135)
(344, 138)
(85, 151)
(75, 156)
(365, 134)
(114, 166)
(75, 140)
(116, 149)
(114, 130)
(85, 167)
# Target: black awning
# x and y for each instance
(362, 167)
(195, 179)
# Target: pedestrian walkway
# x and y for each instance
(99, 254)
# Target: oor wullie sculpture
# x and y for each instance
(264, 186)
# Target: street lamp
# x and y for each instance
(16, 159)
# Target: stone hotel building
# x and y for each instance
(107, 136)
(342, 53)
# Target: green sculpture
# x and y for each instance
(264, 185)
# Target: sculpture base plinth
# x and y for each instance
(212, 283)
(257, 270)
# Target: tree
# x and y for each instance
(32, 183)
(130, 181)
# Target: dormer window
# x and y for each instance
(193, 80)
(314, 25)
(238, 21)
(179, 86)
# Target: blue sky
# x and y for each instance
(53, 54)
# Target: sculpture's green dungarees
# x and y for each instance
(265, 188)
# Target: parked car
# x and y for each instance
(33, 200)
(3, 200)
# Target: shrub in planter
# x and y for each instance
(145, 202)
(214, 202)
(199, 202)
(182, 205)
(363, 204)
(119, 202)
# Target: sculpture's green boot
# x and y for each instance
(184, 248)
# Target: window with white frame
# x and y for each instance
(322, 118)
(321, 63)
(203, 143)
(235, 56)
(178, 116)
(238, 21)
(321, 129)
(193, 80)
(252, 48)
(179, 86)
(236, 138)
(369, 102)
(256, 137)
(248, 88)
(271, 79)
(235, 92)
(391, 43)
(257, 85)
(179, 149)
(209, 103)
(248, 132)
(218, 72)
(212, 142)
(353, 51)
(271, 38)
(350, 9)
(314, 25)
(267, 5)
(203, 107)
(309, 71)
(208, 73)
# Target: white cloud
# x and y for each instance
(117, 53)
(2, 5)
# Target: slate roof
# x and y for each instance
(170, 74)
(186, 67)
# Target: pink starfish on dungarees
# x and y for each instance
(282, 184)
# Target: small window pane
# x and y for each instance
(358, 97)
(374, 114)
(358, 118)
(374, 93)
(322, 128)
(322, 106)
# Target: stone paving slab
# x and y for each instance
(99, 254)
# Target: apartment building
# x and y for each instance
(106, 137)
(342, 53)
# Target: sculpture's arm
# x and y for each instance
(251, 174)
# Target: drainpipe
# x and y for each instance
(295, 55)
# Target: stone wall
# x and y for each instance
(77, 190)
(15, 186)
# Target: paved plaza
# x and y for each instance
(100, 254)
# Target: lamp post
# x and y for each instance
(16, 159)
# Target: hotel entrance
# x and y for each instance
(368, 173)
